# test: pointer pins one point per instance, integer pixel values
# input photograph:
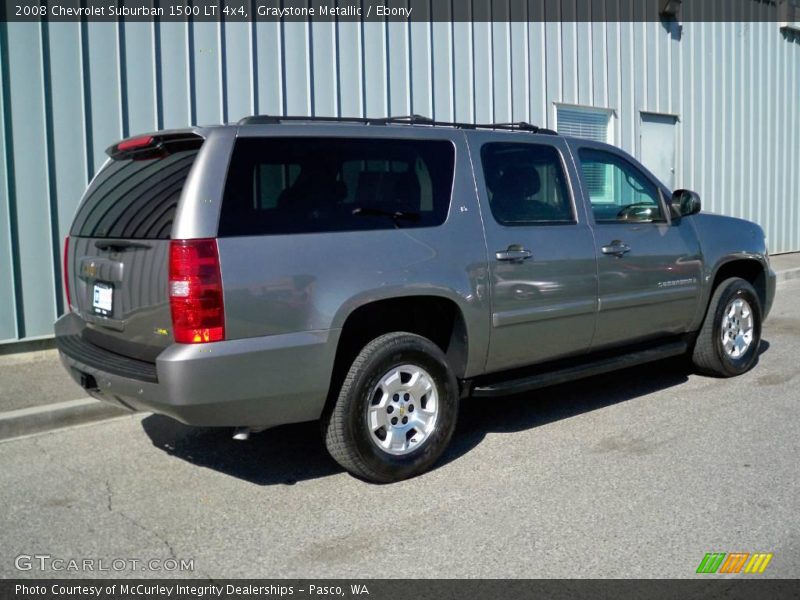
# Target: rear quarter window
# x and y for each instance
(305, 185)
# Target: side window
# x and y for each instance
(304, 185)
(618, 191)
(525, 184)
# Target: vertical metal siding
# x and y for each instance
(71, 89)
(29, 189)
(8, 252)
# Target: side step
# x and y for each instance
(603, 365)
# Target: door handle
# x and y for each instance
(514, 253)
(616, 248)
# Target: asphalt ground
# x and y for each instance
(637, 473)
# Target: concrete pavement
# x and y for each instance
(786, 266)
(29, 379)
(37, 394)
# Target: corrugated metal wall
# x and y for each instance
(71, 89)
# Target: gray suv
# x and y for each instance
(370, 273)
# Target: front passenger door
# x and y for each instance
(649, 266)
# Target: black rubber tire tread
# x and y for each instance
(342, 428)
(708, 356)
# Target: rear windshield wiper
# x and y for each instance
(397, 215)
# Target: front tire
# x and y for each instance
(396, 410)
(727, 344)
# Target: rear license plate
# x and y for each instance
(103, 298)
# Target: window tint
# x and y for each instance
(525, 184)
(136, 199)
(618, 191)
(303, 185)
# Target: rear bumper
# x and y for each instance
(254, 382)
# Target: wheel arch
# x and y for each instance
(433, 316)
(749, 268)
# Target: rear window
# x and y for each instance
(305, 185)
(136, 199)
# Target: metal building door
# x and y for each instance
(658, 146)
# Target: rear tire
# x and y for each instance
(395, 411)
(727, 344)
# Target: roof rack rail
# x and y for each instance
(395, 120)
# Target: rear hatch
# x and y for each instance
(118, 249)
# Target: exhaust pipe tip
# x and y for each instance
(241, 434)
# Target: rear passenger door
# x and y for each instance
(649, 264)
(542, 266)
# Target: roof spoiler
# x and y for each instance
(154, 145)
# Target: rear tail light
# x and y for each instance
(66, 273)
(195, 291)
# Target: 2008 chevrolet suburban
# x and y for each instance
(371, 273)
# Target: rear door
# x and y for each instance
(542, 264)
(119, 244)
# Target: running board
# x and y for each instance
(604, 365)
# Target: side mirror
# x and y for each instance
(685, 203)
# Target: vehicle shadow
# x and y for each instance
(520, 412)
(280, 456)
(291, 453)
